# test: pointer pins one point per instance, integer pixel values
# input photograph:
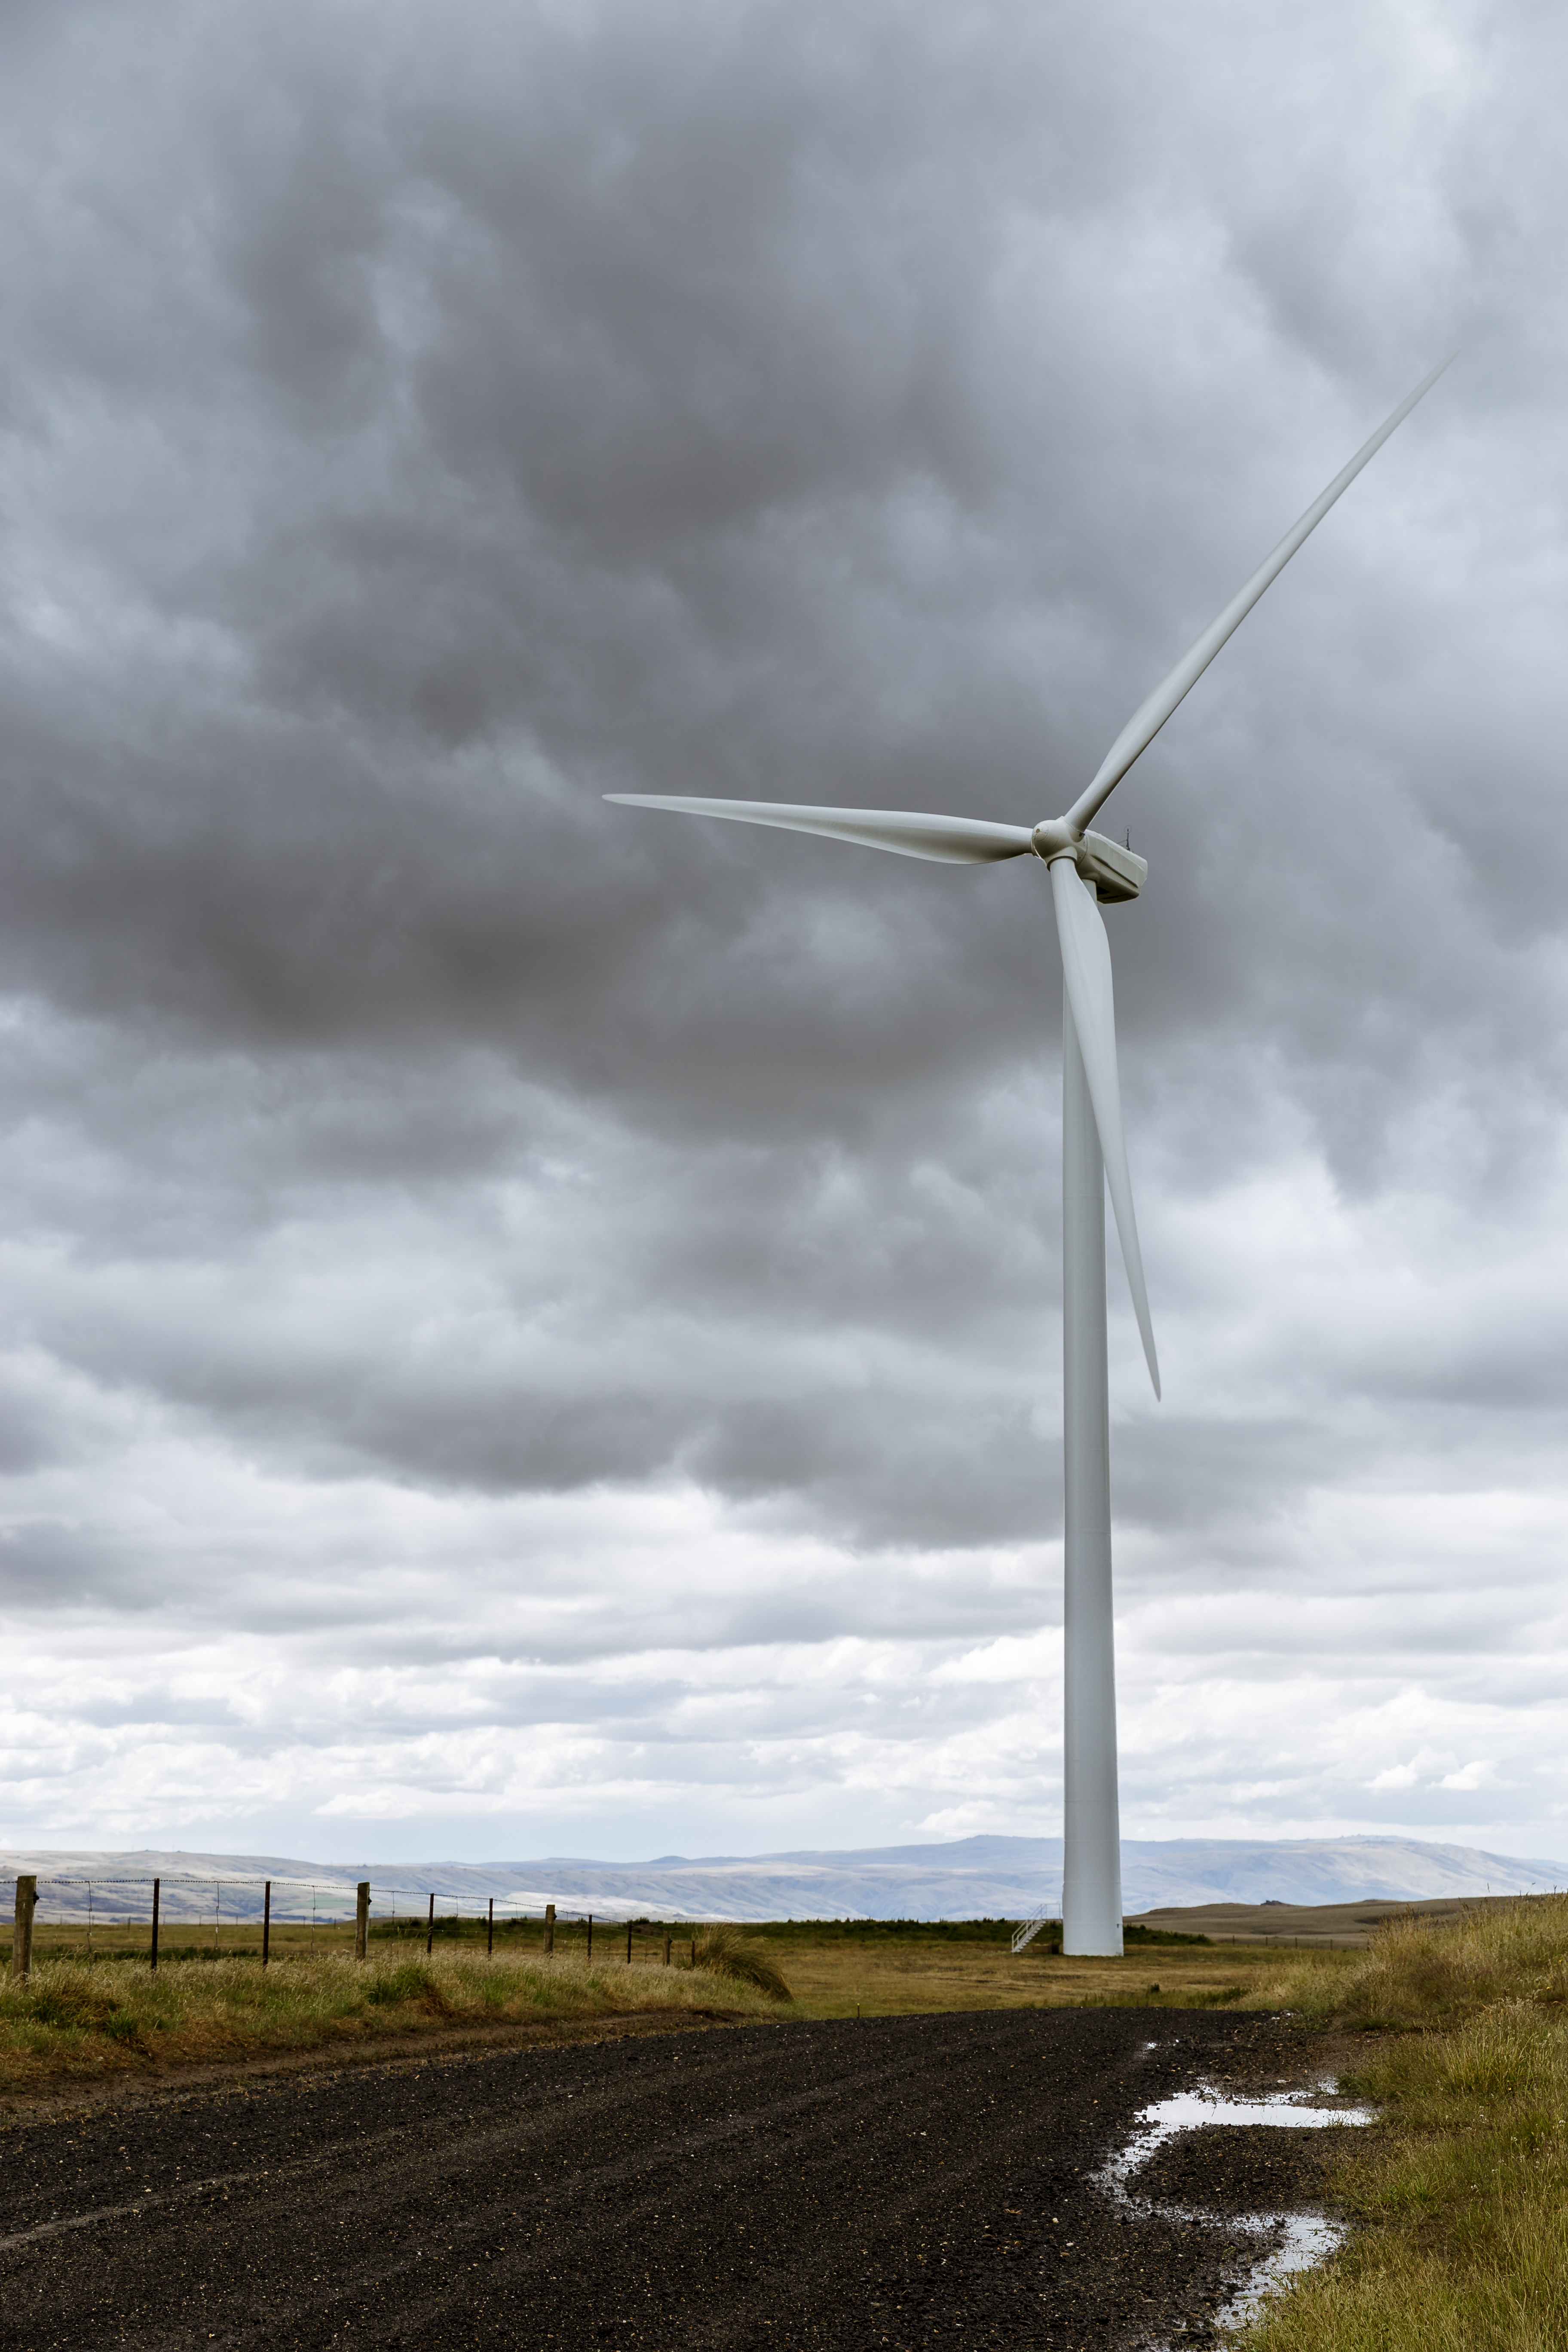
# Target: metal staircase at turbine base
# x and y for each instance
(1030, 1929)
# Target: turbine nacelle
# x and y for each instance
(1111, 872)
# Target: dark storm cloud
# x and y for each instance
(419, 424)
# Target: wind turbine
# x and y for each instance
(1086, 870)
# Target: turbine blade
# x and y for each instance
(952, 840)
(1145, 724)
(1086, 969)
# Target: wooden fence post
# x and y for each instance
(22, 1937)
(491, 1930)
(628, 1943)
(590, 1935)
(667, 1944)
(361, 1917)
(430, 1928)
(157, 1889)
(267, 1924)
(549, 1926)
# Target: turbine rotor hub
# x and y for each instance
(1056, 838)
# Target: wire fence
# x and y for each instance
(100, 1907)
(97, 1907)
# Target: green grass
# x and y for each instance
(1462, 2191)
(873, 1935)
(527, 1934)
(883, 1933)
(115, 2016)
(1133, 1935)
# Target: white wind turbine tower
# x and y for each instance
(1084, 868)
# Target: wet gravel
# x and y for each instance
(1241, 2168)
(903, 2181)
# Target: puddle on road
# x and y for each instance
(1299, 2240)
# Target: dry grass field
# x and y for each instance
(871, 1970)
(1317, 1926)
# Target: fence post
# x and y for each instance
(267, 1924)
(628, 1943)
(22, 1938)
(491, 1930)
(667, 1945)
(430, 1928)
(361, 1917)
(157, 1887)
(549, 1926)
(590, 1935)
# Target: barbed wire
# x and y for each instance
(333, 1900)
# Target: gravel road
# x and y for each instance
(904, 2181)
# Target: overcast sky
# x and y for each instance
(533, 1327)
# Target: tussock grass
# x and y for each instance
(724, 1951)
(116, 2016)
(1418, 1973)
(1462, 2190)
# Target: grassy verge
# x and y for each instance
(116, 2017)
(1462, 2191)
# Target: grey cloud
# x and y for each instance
(420, 425)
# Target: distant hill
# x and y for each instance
(978, 1877)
